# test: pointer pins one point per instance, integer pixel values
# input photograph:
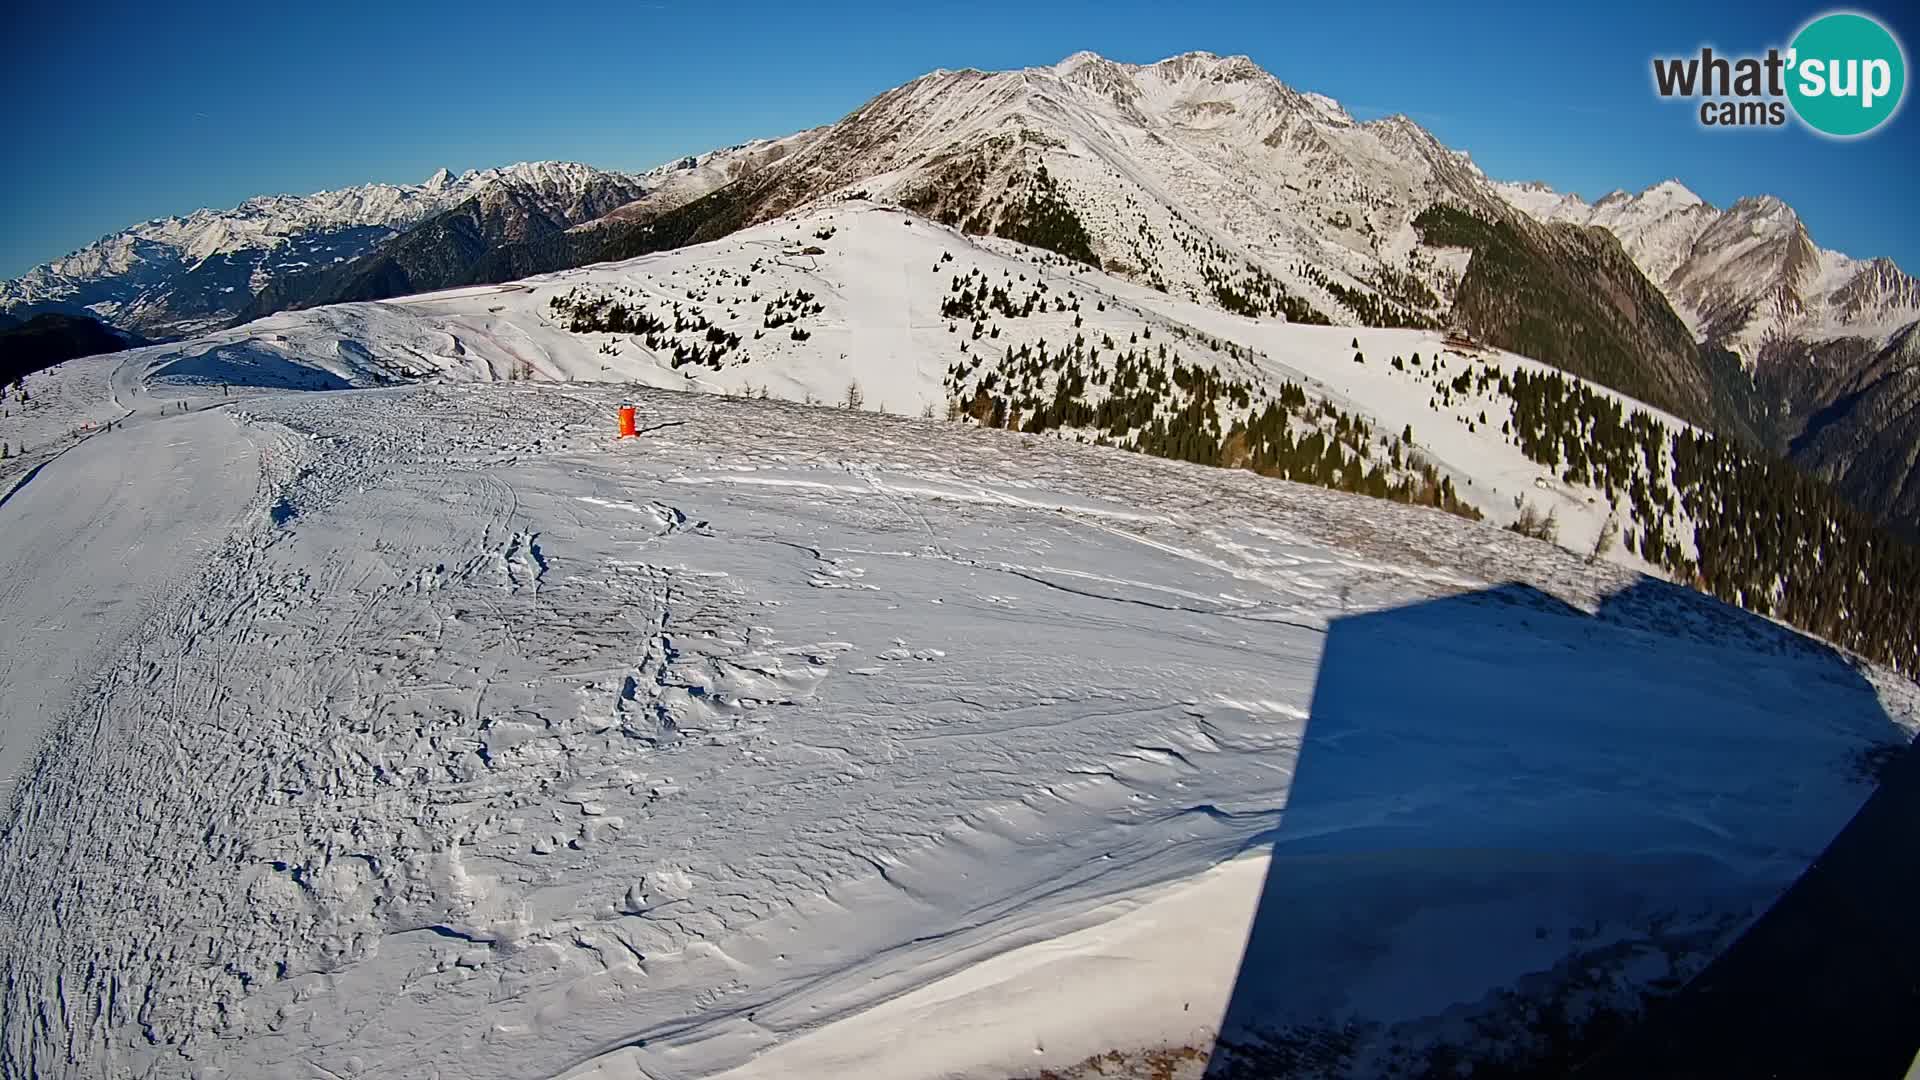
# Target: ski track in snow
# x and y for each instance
(104, 551)
(486, 745)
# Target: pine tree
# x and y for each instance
(1603, 544)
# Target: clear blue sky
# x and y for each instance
(122, 112)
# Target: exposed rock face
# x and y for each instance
(1827, 340)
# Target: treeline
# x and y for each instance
(1338, 455)
(1777, 542)
(972, 298)
(1242, 287)
(1589, 438)
(1258, 294)
(1371, 309)
(1751, 530)
(1404, 288)
(1571, 297)
(689, 337)
(1150, 400)
(1045, 219)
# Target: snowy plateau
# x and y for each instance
(368, 709)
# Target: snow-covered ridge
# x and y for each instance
(268, 220)
(1199, 167)
(854, 294)
(684, 179)
(1192, 174)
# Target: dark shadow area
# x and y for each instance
(52, 338)
(1827, 983)
(1515, 828)
(245, 365)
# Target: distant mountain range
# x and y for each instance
(1829, 341)
(179, 276)
(1200, 175)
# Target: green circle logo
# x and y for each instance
(1847, 74)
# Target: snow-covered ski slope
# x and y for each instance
(875, 282)
(486, 745)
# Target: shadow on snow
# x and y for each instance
(1515, 830)
(251, 366)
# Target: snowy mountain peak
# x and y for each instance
(1762, 211)
(1672, 192)
(1332, 110)
(1667, 196)
(1193, 62)
(1194, 66)
(1080, 59)
(1098, 74)
(1207, 148)
(439, 181)
(533, 173)
(1538, 200)
(1179, 64)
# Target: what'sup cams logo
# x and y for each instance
(1843, 76)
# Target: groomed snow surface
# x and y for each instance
(445, 735)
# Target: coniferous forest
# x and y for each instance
(1752, 530)
(1144, 396)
